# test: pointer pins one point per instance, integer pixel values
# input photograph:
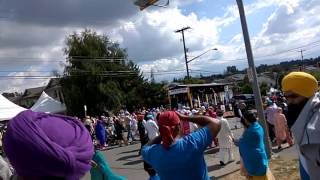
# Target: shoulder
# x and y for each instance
(224, 120)
(200, 135)
(148, 151)
(255, 128)
(282, 116)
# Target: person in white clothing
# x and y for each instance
(5, 171)
(225, 138)
(151, 127)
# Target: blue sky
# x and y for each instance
(33, 32)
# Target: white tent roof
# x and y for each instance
(8, 109)
(47, 104)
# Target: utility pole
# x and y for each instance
(184, 48)
(152, 76)
(301, 51)
(252, 71)
(301, 65)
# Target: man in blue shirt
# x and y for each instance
(180, 158)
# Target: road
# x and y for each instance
(125, 161)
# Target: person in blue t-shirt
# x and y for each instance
(180, 158)
(253, 155)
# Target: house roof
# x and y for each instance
(202, 85)
(54, 82)
(236, 77)
(33, 92)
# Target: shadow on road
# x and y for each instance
(127, 152)
(279, 150)
(133, 162)
(127, 157)
(214, 167)
(212, 151)
(218, 177)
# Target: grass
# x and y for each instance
(279, 168)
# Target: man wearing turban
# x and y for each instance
(300, 90)
(180, 158)
(45, 146)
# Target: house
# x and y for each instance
(30, 96)
(236, 78)
(54, 90)
(311, 69)
(267, 79)
(13, 97)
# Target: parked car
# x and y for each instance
(248, 99)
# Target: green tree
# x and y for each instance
(100, 76)
(316, 75)
(264, 88)
(232, 70)
(246, 89)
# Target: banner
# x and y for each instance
(178, 91)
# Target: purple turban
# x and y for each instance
(47, 145)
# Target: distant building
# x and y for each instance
(196, 95)
(270, 81)
(13, 97)
(311, 69)
(54, 90)
(30, 96)
(236, 78)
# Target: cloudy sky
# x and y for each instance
(32, 34)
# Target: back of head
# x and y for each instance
(149, 117)
(168, 121)
(250, 116)
(220, 113)
(279, 110)
(46, 145)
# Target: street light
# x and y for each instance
(188, 61)
(214, 49)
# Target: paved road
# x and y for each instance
(126, 162)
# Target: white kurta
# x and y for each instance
(225, 135)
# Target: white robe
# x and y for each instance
(225, 135)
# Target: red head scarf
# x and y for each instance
(167, 122)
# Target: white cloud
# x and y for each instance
(149, 35)
(289, 26)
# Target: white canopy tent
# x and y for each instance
(47, 104)
(8, 109)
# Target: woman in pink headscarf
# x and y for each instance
(281, 128)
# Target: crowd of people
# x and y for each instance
(42, 146)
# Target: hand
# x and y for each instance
(93, 164)
(182, 116)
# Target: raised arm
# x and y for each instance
(212, 124)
